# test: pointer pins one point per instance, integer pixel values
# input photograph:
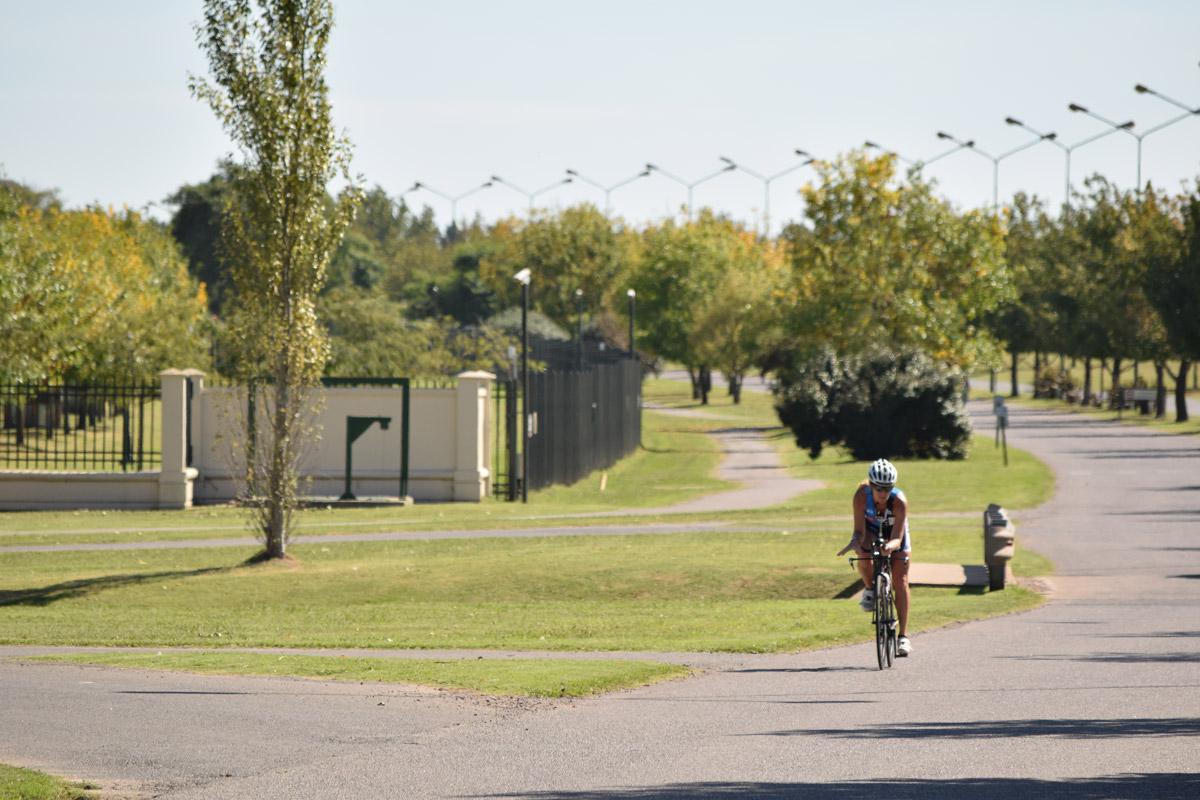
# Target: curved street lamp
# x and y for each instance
(997, 159)
(531, 195)
(452, 198)
(608, 190)
(766, 179)
(870, 145)
(690, 186)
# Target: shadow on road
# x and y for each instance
(1118, 658)
(1011, 729)
(1161, 786)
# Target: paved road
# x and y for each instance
(1095, 695)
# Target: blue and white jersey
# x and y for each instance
(874, 517)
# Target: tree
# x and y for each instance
(268, 89)
(196, 225)
(883, 260)
(1170, 245)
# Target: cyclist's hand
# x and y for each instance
(892, 546)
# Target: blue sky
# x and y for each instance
(95, 99)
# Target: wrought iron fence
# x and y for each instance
(84, 427)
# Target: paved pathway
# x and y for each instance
(1096, 695)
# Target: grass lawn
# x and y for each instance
(1128, 416)
(768, 583)
(27, 784)
(518, 676)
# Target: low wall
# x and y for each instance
(449, 452)
(448, 445)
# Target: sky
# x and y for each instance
(94, 99)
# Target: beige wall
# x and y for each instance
(449, 452)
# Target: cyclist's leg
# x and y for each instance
(900, 588)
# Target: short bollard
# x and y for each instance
(998, 546)
(356, 427)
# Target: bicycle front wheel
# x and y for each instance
(882, 646)
(889, 620)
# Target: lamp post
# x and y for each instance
(870, 145)
(1067, 149)
(531, 195)
(1188, 112)
(522, 278)
(632, 295)
(766, 179)
(579, 328)
(1127, 127)
(452, 198)
(608, 190)
(693, 184)
(996, 160)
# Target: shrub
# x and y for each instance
(1053, 382)
(878, 403)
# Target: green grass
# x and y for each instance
(516, 677)
(745, 592)
(767, 584)
(27, 784)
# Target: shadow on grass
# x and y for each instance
(1160, 786)
(84, 587)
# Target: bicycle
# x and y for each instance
(883, 615)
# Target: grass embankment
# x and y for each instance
(27, 784)
(523, 677)
(768, 583)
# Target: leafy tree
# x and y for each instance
(1170, 244)
(196, 225)
(93, 295)
(681, 267)
(888, 261)
(268, 89)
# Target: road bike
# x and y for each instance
(883, 615)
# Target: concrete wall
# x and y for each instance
(449, 452)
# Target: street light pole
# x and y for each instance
(632, 295)
(531, 195)
(1127, 127)
(453, 199)
(767, 183)
(1067, 149)
(608, 190)
(579, 327)
(522, 278)
(997, 159)
(693, 184)
(870, 145)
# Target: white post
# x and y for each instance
(472, 473)
(175, 478)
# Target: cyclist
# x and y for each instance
(880, 506)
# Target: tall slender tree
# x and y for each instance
(267, 61)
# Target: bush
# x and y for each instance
(1054, 383)
(881, 403)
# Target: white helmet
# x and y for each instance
(882, 474)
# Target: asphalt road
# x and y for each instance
(1095, 695)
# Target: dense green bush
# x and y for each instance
(881, 403)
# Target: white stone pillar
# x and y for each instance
(175, 478)
(471, 469)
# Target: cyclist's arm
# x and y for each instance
(858, 540)
(900, 519)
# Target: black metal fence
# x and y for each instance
(86, 427)
(582, 421)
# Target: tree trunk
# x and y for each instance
(705, 384)
(992, 381)
(1160, 390)
(1087, 380)
(1181, 409)
(1013, 390)
(695, 383)
(1115, 390)
(735, 387)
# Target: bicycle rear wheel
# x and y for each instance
(882, 651)
(889, 616)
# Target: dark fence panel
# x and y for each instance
(81, 427)
(582, 421)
